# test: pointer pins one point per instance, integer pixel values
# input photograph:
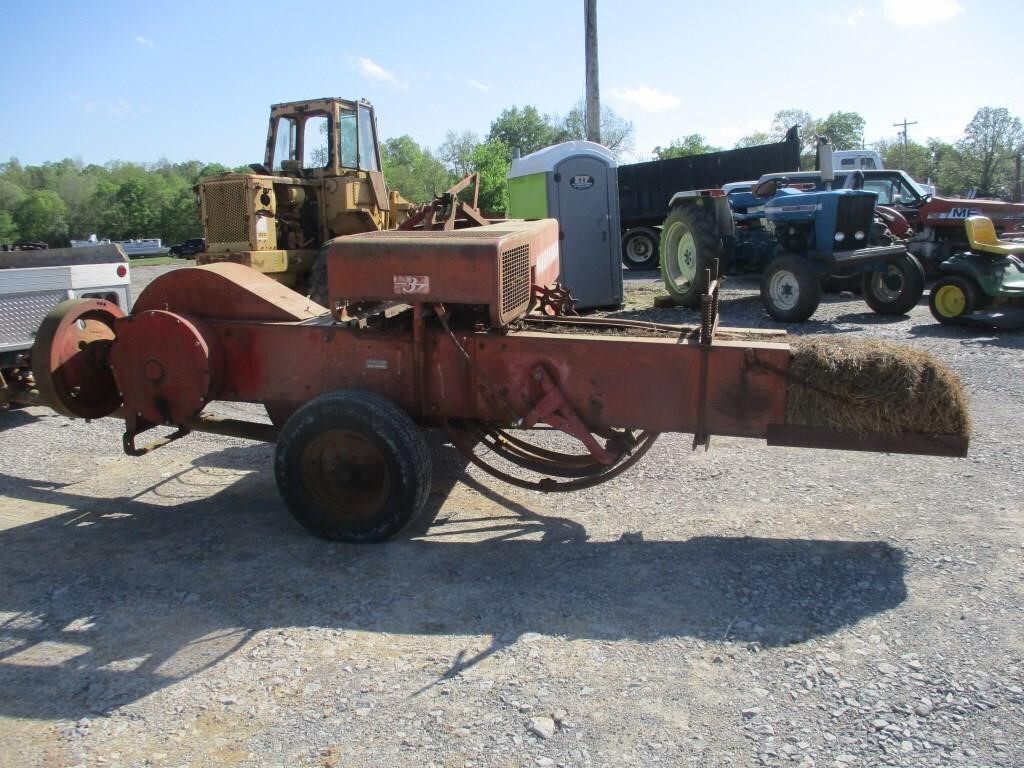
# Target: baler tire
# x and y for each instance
(317, 281)
(788, 274)
(352, 466)
(951, 298)
(688, 247)
(640, 248)
(886, 300)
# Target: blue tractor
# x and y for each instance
(795, 238)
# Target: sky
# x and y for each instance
(152, 79)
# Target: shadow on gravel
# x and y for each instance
(15, 417)
(970, 335)
(118, 598)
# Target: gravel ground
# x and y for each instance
(744, 606)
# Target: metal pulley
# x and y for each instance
(166, 365)
(70, 358)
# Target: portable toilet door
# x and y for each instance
(583, 194)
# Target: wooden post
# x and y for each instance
(593, 91)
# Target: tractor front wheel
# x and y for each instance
(951, 298)
(689, 247)
(352, 466)
(640, 248)
(790, 288)
(896, 289)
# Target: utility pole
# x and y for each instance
(593, 91)
(903, 133)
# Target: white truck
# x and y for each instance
(34, 282)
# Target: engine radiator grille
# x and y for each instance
(226, 212)
(515, 279)
(855, 213)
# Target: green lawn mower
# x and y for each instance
(984, 285)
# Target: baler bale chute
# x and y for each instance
(433, 329)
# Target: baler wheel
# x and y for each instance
(352, 466)
(896, 290)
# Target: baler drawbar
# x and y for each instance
(424, 329)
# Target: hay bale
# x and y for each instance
(873, 387)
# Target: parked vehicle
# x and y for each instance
(190, 247)
(795, 237)
(34, 282)
(856, 159)
(937, 222)
(985, 284)
(646, 188)
(133, 249)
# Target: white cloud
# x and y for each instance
(849, 19)
(120, 108)
(647, 98)
(906, 13)
(477, 84)
(371, 70)
(145, 41)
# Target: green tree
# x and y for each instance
(990, 143)
(525, 129)
(616, 132)
(490, 160)
(694, 144)
(413, 170)
(755, 139)
(10, 194)
(42, 215)
(8, 229)
(845, 130)
(457, 152)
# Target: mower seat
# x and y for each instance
(981, 234)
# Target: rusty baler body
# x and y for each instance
(427, 329)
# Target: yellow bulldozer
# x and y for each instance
(321, 178)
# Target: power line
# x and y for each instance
(903, 133)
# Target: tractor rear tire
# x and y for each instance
(896, 290)
(640, 248)
(689, 246)
(790, 288)
(352, 466)
(317, 280)
(951, 298)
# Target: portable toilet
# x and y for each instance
(576, 183)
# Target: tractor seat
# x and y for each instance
(981, 234)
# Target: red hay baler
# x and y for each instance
(424, 329)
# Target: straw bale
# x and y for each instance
(872, 386)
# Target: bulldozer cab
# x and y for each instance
(322, 137)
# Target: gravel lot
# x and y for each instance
(744, 606)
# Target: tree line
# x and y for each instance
(57, 201)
